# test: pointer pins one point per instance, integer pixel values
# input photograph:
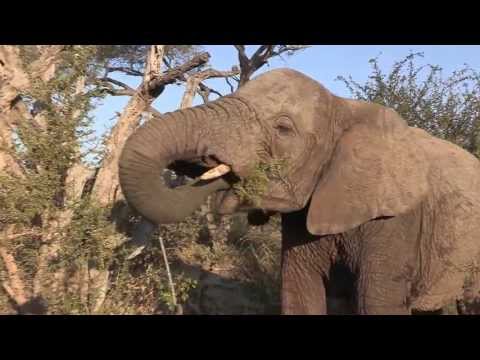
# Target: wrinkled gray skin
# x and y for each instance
(398, 208)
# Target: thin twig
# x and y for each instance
(205, 88)
(116, 82)
(194, 85)
(125, 70)
(178, 307)
(232, 89)
(261, 57)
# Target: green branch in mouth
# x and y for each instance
(251, 188)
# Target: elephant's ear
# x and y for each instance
(376, 170)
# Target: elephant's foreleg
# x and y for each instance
(303, 289)
(385, 262)
(380, 292)
(305, 262)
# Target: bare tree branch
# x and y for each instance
(126, 70)
(44, 67)
(202, 86)
(211, 73)
(118, 92)
(171, 76)
(232, 89)
(167, 63)
(260, 57)
(126, 91)
(107, 87)
(242, 56)
(154, 63)
(205, 94)
(15, 287)
(116, 82)
(289, 48)
(205, 88)
(194, 81)
(190, 90)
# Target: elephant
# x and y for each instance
(354, 184)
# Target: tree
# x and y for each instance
(48, 122)
(68, 241)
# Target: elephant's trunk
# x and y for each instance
(175, 136)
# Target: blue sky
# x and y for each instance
(321, 62)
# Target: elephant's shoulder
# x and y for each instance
(453, 174)
(445, 155)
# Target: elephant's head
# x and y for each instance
(288, 143)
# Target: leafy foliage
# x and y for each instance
(446, 107)
(89, 237)
(253, 186)
(133, 56)
(48, 145)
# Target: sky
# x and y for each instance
(321, 62)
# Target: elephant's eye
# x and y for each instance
(284, 127)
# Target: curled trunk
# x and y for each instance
(153, 147)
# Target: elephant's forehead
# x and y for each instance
(287, 91)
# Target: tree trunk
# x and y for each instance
(106, 190)
(75, 180)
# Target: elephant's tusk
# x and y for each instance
(216, 172)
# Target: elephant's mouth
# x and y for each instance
(226, 201)
(207, 169)
(211, 168)
(192, 168)
(204, 169)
